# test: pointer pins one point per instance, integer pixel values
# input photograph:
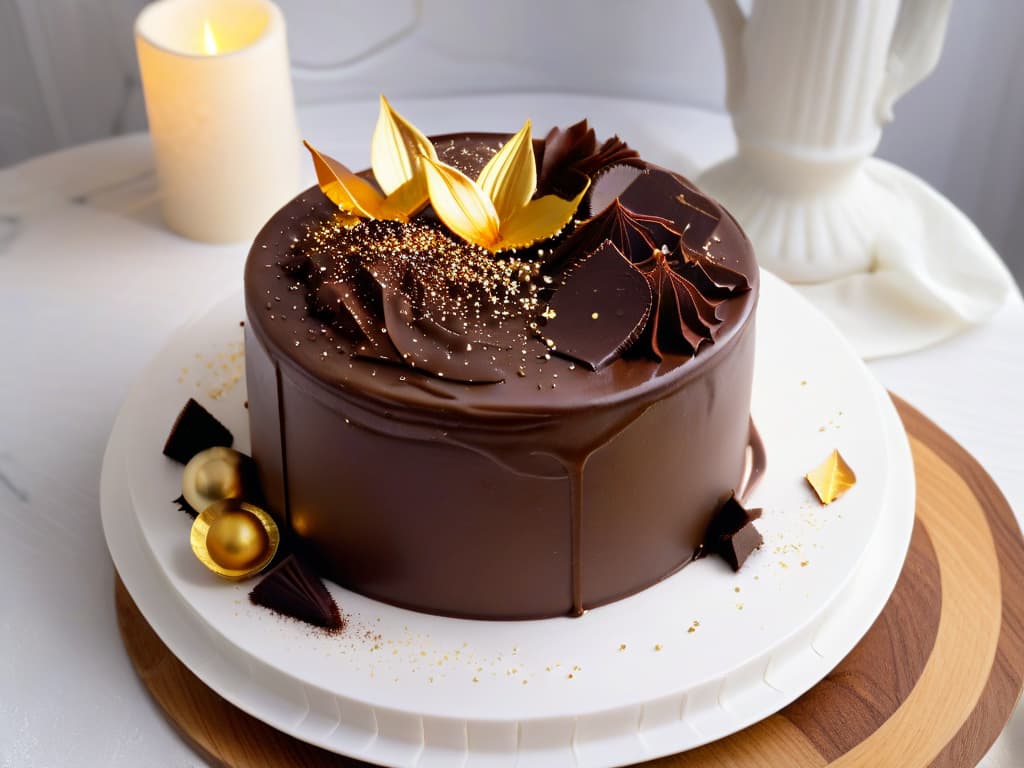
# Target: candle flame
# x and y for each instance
(209, 41)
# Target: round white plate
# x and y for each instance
(690, 660)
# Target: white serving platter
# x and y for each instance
(694, 658)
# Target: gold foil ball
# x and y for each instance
(214, 474)
(235, 539)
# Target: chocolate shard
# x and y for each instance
(731, 533)
(185, 507)
(570, 156)
(354, 307)
(431, 347)
(195, 430)
(665, 194)
(294, 590)
(600, 309)
(739, 546)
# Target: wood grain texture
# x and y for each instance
(855, 699)
(933, 681)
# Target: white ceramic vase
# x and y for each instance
(810, 83)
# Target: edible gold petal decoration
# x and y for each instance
(349, 192)
(397, 154)
(234, 539)
(832, 478)
(471, 210)
(510, 177)
(214, 474)
(396, 150)
(462, 205)
(539, 219)
(405, 201)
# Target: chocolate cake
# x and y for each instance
(486, 429)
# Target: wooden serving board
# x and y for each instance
(931, 684)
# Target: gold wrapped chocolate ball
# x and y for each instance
(234, 539)
(214, 474)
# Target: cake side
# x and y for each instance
(555, 487)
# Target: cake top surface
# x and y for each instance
(503, 275)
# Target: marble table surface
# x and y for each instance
(91, 284)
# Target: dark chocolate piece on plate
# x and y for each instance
(195, 430)
(732, 534)
(292, 589)
(737, 547)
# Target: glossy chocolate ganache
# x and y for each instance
(516, 434)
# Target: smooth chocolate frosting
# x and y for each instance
(439, 435)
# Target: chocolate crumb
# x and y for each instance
(195, 430)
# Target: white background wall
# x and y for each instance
(68, 75)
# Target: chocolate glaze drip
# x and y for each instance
(554, 490)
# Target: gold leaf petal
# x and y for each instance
(510, 177)
(538, 220)
(461, 204)
(346, 190)
(406, 201)
(832, 478)
(396, 149)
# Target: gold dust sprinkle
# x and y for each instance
(622, 647)
(485, 288)
(658, 646)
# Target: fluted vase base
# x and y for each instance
(888, 259)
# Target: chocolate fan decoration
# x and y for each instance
(568, 157)
(686, 286)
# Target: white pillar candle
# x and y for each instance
(221, 114)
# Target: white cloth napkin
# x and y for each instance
(934, 276)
